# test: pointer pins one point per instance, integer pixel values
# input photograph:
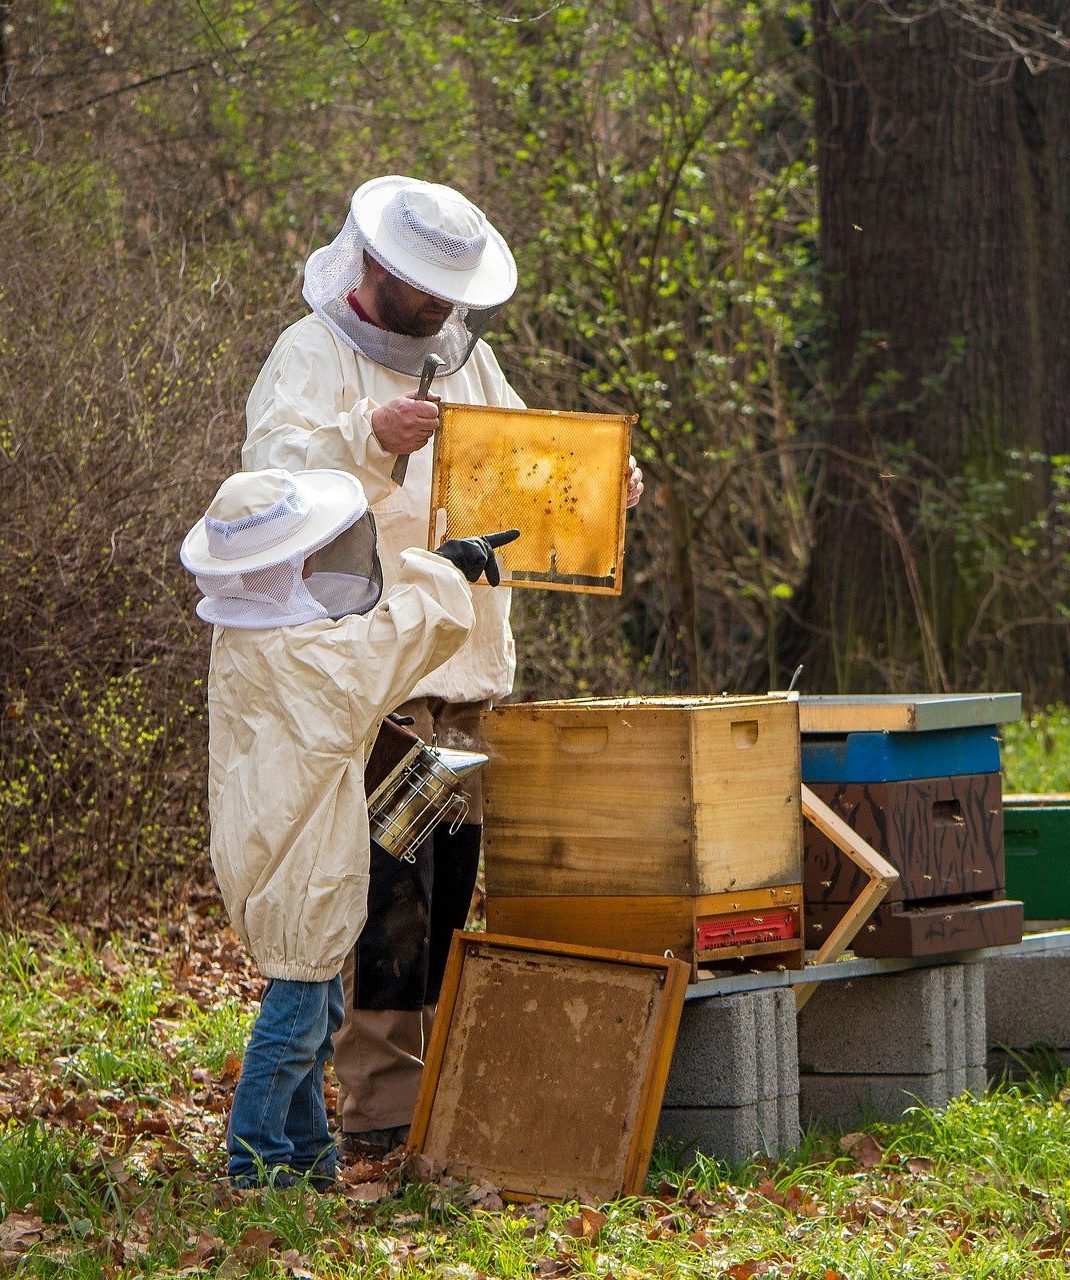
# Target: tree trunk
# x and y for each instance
(946, 263)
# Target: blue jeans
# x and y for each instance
(278, 1120)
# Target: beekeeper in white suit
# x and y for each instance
(417, 270)
(306, 661)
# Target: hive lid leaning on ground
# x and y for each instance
(905, 712)
(547, 1065)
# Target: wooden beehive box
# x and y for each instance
(654, 824)
(917, 777)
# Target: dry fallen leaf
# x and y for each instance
(203, 1249)
(486, 1197)
(1053, 1246)
(421, 1168)
(795, 1198)
(231, 1068)
(366, 1192)
(551, 1268)
(586, 1225)
(863, 1149)
(293, 1264)
(743, 1270)
(111, 961)
(20, 1231)
(256, 1244)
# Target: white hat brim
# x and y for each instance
(489, 284)
(337, 500)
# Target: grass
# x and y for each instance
(120, 1057)
(1036, 753)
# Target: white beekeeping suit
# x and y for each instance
(319, 401)
(305, 664)
(311, 406)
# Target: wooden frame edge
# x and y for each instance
(666, 1027)
(879, 871)
(626, 421)
(436, 1045)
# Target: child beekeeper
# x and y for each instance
(306, 662)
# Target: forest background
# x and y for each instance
(822, 250)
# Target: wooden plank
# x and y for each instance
(881, 876)
(863, 855)
(547, 1066)
(782, 946)
(589, 803)
(667, 1016)
(436, 1045)
(680, 702)
(722, 904)
(651, 926)
(905, 713)
(745, 777)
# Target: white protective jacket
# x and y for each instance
(311, 406)
(292, 713)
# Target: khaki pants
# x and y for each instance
(378, 1053)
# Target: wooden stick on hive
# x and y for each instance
(879, 871)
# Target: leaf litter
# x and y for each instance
(159, 1141)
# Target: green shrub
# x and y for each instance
(1036, 753)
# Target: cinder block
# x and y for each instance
(847, 1100)
(895, 1024)
(1025, 1000)
(726, 1133)
(976, 1021)
(955, 1028)
(789, 1128)
(733, 1051)
(1020, 1064)
(787, 1049)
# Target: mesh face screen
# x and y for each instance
(557, 477)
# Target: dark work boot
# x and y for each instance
(372, 1144)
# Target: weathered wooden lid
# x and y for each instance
(905, 712)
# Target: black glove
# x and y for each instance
(475, 556)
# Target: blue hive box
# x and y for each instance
(899, 757)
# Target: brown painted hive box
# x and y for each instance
(917, 777)
(657, 824)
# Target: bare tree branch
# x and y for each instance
(1016, 34)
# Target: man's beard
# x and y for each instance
(414, 319)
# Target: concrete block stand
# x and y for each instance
(1027, 1011)
(872, 1047)
(733, 1088)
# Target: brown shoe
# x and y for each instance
(372, 1144)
